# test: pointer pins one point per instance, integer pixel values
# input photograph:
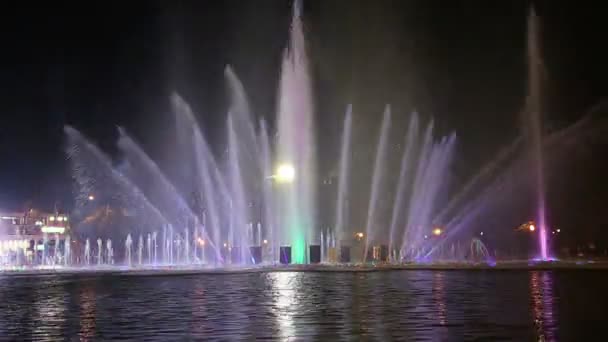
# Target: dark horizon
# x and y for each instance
(462, 63)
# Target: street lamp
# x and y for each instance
(91, 198)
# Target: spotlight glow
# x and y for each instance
(285, 173)
(532, 228)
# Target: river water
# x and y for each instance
(382, 306)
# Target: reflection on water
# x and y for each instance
(50, 308)
(541, 294)
(87, 313)
(438, 297)
(380, 306)
(284, 292)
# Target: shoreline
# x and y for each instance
(320, 268)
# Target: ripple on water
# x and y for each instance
(400, 305)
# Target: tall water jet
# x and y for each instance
(377, 175)
(533, 125)
(406, 161)
(269, 218)
(209, 182)
(238, 201)
(296, 145)
(342, 198)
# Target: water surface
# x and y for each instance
(396, 305)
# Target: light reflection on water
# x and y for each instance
(406, 305)
(541, 293)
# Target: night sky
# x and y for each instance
(103, 64)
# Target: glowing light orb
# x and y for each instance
(285, 173)
(91, 198)
(532, 228)
(265, 241)
(437, 231)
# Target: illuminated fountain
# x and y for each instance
(533, 128)
(279, 177)
(255, 200)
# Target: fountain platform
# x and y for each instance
(167, 270)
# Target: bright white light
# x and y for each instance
(52, 218)
(481, 233)
(39, 223)
(285, 173)
(50, 229)
(532, 228)
(91, 198)
(559, 230)
(265, 241)
(437, 231)
(59, 218)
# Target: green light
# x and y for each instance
(298, 243)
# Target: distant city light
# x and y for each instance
(59, 218)
(285, 173)
(559, 230)
(437, 231)
(265, 241)
(225, 245)
(52, 218)
(426, 236)
(51, 229)
(201, 242)
(91, 198)
(481, 233)
(532, 228)
(359, 235)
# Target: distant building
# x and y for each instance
(28, 237)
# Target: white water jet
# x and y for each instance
(406, 161)
(378, 173)
(343, 185)
(140, 250)
(67, 250)
(99, 251)
(87, 252)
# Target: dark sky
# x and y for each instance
(102, 64)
